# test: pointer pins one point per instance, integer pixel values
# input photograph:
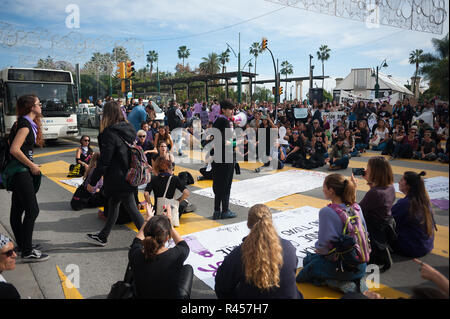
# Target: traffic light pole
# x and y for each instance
(277, 88)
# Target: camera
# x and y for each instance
(359, 171)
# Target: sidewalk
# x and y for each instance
(22, 277)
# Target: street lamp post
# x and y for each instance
(239, 77)
(377, 85)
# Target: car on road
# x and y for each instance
(88, 115)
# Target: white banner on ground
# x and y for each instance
(75, 182)
(437, 187)
(263, 189)
(208, 248)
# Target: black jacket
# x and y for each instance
(114, 158)
(172, 118)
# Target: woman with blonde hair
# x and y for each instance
(263, 266)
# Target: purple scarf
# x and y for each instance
(33, 126)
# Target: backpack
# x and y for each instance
(353, 246)
(139, 172)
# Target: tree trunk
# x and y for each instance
(323, 74)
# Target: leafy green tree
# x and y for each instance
(286, 69)
(435, 67)
(210, 64)
(224, 58)
(255, 50)
(152, 57)
(415, 57)
(183, 53)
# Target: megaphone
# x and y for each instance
(240, 119)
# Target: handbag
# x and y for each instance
(163, 201)
(123, 289)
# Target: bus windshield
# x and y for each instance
(56, 99)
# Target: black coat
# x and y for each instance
(114, 159)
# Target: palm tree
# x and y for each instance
(152, 57)
(224, 58)
(183, 53)
(286, 69)
(323, 55)
(210, 64)
(435, 66)
(415, 57)
(255, 50)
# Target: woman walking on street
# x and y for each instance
(23, 177)
(113, 166)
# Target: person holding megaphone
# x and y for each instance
(222, 170)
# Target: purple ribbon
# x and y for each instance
(33, 126)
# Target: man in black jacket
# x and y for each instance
(172, 118)
(221, 170)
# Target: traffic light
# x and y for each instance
(274, 90)
(130, 69)
(120, 70)
(281, 90)
(264, 44)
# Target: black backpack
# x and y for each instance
(186, 178)
(4, 153)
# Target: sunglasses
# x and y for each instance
(142, 136)
(86, 140)
(296, 133)
(8, 253)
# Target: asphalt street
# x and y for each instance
(62, 232)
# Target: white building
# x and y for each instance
(361, 82)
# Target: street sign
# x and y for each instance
(130, 95)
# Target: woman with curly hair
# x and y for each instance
(263, 266)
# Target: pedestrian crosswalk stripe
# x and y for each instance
(55, 153)
(435, 163)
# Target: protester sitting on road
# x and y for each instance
(427, 148)
(413, 216)
(23, 177)
(277, 153)
(113, 166)
(162, 172)
(163, 135)
(397, 138)
(325, 267)
(376, 206)
(361, 136)
(380, 136)
(407, 147)
(263, 266)
(146, 127)
(147, 146)
(297, 149)
(158, 272)
(349, 141)
(84, 154)
(163, 152)
(82, 197)
(7, 262)
(339, 156)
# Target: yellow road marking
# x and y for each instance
(436, 163)
(70, 292)
(56, 153)
(441, 239)
(400, 170)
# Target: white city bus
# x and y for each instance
(55, 90)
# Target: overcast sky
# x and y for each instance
(206, 26)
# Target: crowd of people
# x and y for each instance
(351, 235)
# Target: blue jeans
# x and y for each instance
(317, 269)
(361, 146)
(342, 162)
(380, 147)
(355, 153)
